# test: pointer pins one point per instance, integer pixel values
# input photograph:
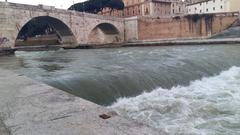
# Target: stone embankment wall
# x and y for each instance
(185, 27)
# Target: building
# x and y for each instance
(193, 1)
(148, 8)
(178, 7)
(213, 6)
(157, 8)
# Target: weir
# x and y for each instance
(169, 88)
(29, 107)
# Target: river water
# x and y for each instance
(178, 89)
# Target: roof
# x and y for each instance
(199, 2)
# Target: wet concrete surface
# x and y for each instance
(3, 128)
(29, 107)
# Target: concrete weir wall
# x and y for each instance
(28, 107)
(190, 26)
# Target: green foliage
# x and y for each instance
(115, 4)
(96, 6)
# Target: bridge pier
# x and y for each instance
(239, 15)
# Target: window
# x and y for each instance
(207, 9)
(221, 7)
(214, 8)
(146, 11)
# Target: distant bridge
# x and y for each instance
(73, 27)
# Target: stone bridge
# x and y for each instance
(77, 28)
(73, 27)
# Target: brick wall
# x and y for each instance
(183, 27)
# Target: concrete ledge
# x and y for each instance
(6, 51)
(38, 48)
(29, 107)
(183, 42)
(169, 42)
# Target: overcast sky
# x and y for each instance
(57, 3)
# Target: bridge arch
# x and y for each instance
(104, 33)
(44, 30)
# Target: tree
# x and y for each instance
(115, 4)
(96, 6)
(81, 7)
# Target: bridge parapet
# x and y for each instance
(103, 17)
(52, 9)
(239, 15)
(25, 6)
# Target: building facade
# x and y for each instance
(148, 8)
(193, 1)
(213, 6)
(178, 7)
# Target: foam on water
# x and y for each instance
(207, 106)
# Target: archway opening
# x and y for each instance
(45, 30)
(104, 33)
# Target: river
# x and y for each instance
(177, 89)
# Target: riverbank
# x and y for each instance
(184, 42)
(6, 51)
(30, 107)
(170, 42)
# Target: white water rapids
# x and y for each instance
(207, 106)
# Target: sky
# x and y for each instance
(64, 4)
